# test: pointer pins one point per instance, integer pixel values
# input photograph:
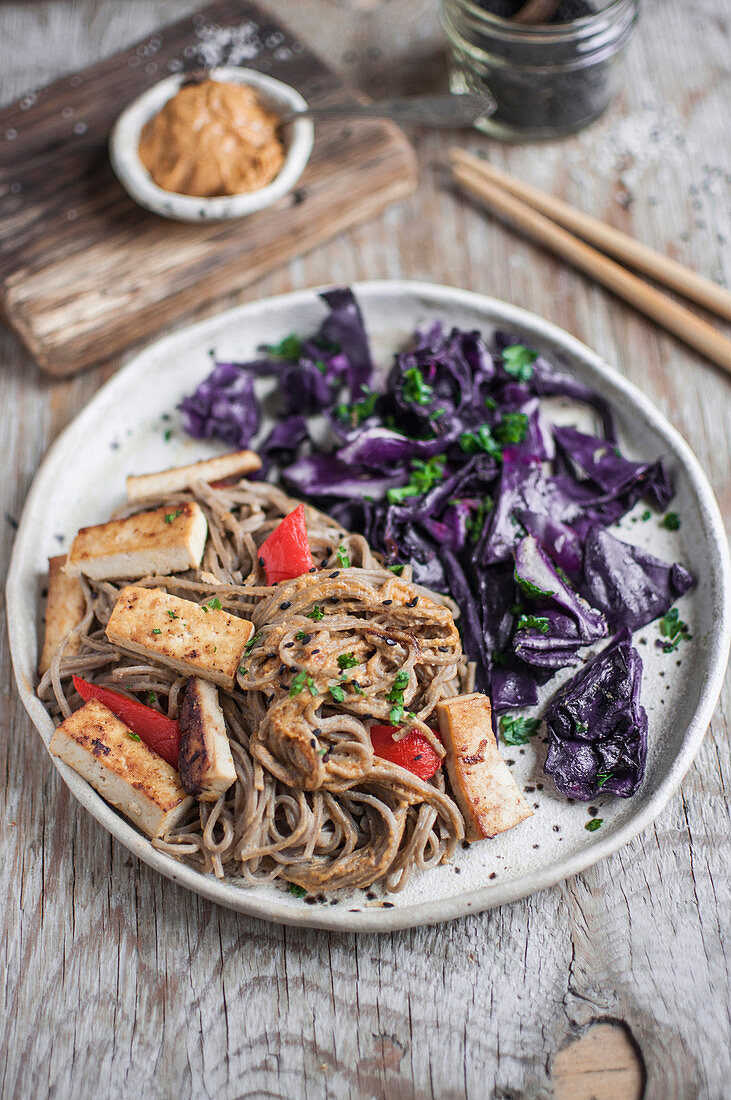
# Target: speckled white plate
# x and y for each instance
(131, 426)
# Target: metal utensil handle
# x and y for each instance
(448, 111)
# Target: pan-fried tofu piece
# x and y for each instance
(198, 641)
(167, 540)
(121, 768)
(65, 609)
(485, 791)
(236, 464)
(206, 764)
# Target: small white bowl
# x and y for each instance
(298, 138)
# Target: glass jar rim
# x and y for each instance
(522, 32)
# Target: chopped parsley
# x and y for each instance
(337, 693)
(534, 622)
(156, 630)
(298, 891)
(357, 688)
(603, 777)
(397, 569)
(288, 348)
(151, 698)
(513, 428)
(647, 514)
(424, 476)
(415, 389)
(359, 411)
(516, 730)
(594, 824)
(170, 517)
(674, 630)
(243, 671)
(134, 736)
(347, 660)
(396, 696)
(250, 645)
(531, 589)
(481, 440)
(301, 681)
(518, 362)
(490, 403)
(671, 521)
(212, 605)
(172, 614)
(342, 555)
(167, 434)
(300, 636)
(317, 614)
(476, 523)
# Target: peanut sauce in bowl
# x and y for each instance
(211, 147)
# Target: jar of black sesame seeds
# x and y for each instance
(546, 79)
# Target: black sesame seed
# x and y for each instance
(313, 743)
(323, 564)
(335, 574)
(413, 603)
(386, 602)
(314, 651)
(388, 905)
(370, 895)
(334, 599)
(282, 670)
(593, 811)
(465, 843)
(317, 731)
(443, 648)
(307, 638)
(325, 757)
(391, 641)
(285, 605)
(288, 645)
(314, 570)
(261, 562)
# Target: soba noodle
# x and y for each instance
(311, 803)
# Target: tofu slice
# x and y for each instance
(179, 633)
(65, 609)
(486, 792)
(206, 764)
(123, 770)
(167, 540)
(236, 464)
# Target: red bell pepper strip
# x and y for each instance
(412, 752)
(160, 733)
(286, 553)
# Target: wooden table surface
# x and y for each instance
(113, 981)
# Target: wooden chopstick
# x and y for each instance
(671, 316)
(610, 240)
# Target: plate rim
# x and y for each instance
(241, 898)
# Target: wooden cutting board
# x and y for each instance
(85, 272)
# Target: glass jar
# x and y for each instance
(546, 79)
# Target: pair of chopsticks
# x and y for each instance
(558, 226)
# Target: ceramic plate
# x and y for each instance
(131, 427)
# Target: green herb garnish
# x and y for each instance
(337, 693)
(151, 698)
(156, 630)
(342, 555)
(481, 440)
(250, 645)
(516, 730)
(647, 514)
(671, 521)
(316, 614)
(424, 475)
(301, 681)
(476, 523)
(171, 516)
(534, 622)
(518, 362)
(490, 403)
(288, 348)
(298, 891)
(134, 736)
(674, 629)
(243, 671)
(397, 569)
(172, 614)
(347, 660)
(603, 777)
(359, 411)
(167, 434)
(213, 605)
(357, 688)
(531, 589)
(594, 824)
(415, 389)
(513, 428)
(396, 696)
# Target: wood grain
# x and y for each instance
(114, 982)
(85, 272)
